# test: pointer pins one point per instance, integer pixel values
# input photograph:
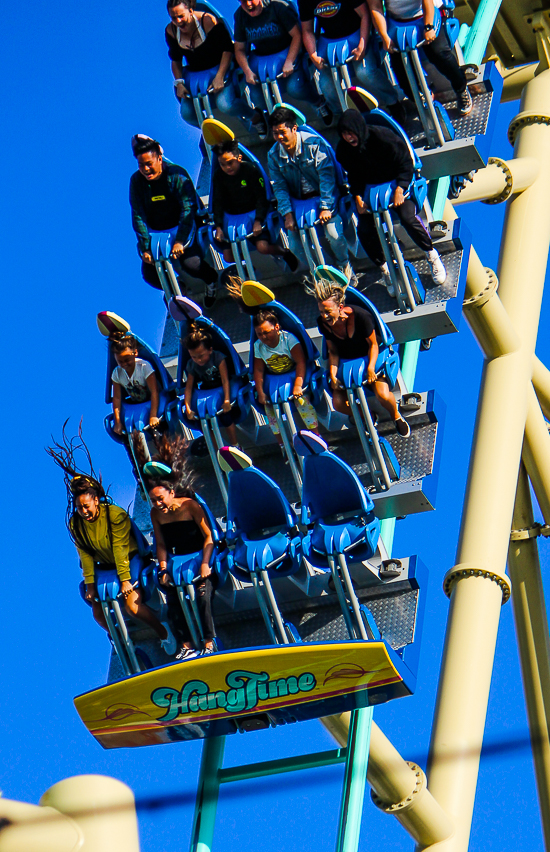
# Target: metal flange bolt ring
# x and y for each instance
(408, 801)
(484, 295)
(524, 119)
(530, 532)
(509, 186)
(460, 572)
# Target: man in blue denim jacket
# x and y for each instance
(301, 167)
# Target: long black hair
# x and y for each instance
(79, 479)
(172, 451)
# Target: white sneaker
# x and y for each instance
(169, 644)
(387, 282)
(439, 273)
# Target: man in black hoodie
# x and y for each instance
(373, 155)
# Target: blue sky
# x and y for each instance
(78, 82)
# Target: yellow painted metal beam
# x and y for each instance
(533, 641)
(478, 584)
(398, 787)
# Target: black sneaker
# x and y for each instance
(464, 100)
(326, 113)
(291, 260)
(260, 124)
(210, 294)
(402, 427)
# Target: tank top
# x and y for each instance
(182, 537)
(201, 34)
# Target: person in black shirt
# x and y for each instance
(239, 187)
(198, 41)
(372, 155)
(163, 198)
(272, 26)
(336, 19)
(350, 333)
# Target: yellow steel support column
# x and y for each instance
(533, 639)
(477, 584)
(499, 180)
(536, 454)
(398, 787)
(541, 383)
(515, 79)
(103, 808)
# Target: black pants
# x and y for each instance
(204, 593)
(191, 262)
(439, 53)
(368, 235)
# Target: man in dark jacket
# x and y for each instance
(373, 155)
(239, 188)
(163, 198)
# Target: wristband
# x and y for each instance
(179, 80)
(428, 27)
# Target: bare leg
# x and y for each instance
(135, 607)
(267, 248)
(340, 402)
(386, 398)
(232, 434)
(98, 615)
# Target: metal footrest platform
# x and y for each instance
(473, 133)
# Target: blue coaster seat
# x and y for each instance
(352, 373)
(207, 403)
(262, 527)
(135, 415)
(341, 518)
(278, 386)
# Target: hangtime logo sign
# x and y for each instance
(245, 690)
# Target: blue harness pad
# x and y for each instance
(198, 82)
(267, 68)
(338, 51)
(406, 35)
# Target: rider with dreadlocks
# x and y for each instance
(103, 536)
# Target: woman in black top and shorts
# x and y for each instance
(349, 333)
(181, 526)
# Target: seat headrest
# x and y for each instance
(231, 459)
(156, 468)
(181, 309)
(330, 273)
(255, 294)
(108, 323)
(307, 443)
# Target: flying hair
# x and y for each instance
(234, 288)
(171, 450)
(73, 457)
(324, 291)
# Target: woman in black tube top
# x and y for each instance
(181, 527)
